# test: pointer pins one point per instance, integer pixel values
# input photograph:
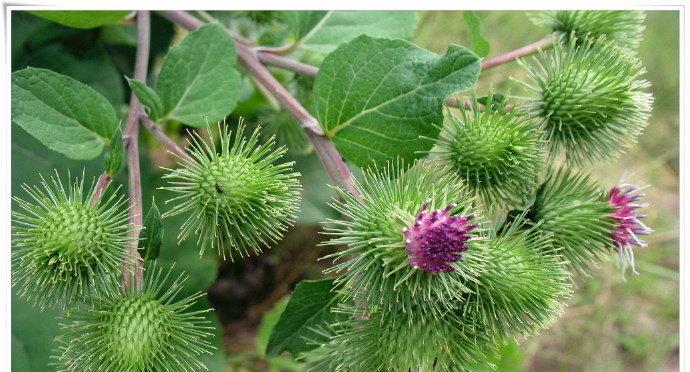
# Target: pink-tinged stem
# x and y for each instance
(103, 182)
(134, 263)
(328, 154)
(164, 140)
(526, 50)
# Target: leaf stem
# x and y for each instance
(331, 159)
(272, 59)
(164, 140)
(130, 138)
(103, 182)
(526, 50)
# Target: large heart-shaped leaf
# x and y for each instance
(379, 99)
(198, 83)
(64, 114)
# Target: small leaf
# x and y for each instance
(381, 99)
(339, 27)
(148, 97)
(82, 18)
(309, 308)
(198, 83)
(151, 238)
(114, 157)
(64, 114)
(474, 29)
(498, 101)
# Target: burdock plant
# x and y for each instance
(623, 27)
(431, 344)
(590, 98)
(524, 285)
(460, 233)
(132, 330)
(404, 247)
(66, 244)
(571, 206)
(238, 199)
(496, 153)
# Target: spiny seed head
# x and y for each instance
(591, 98)
(625, 199)
(622, 27)
(403, 341)
(496, 153)
(524, 285)
(136, 330)
(65, 245)
(437, 239)
(378, 263)
(237, 199)
(571, 207)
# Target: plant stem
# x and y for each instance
(272, 59)
(134, 263)
(331, 159)
(526, 50)
(164, 140)
(103, 182)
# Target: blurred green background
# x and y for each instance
(611, 324)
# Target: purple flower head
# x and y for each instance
(436, 239)
(625, 199)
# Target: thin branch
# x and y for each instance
(272, 59)
(103, 182)
(526, 50)
(131, 143)
(163, 138)
(331, 159)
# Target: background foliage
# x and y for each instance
(610, 325)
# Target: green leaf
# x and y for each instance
(148, 97)
(94, 68)
(301, 22)
(379, 99)
(198, 82)
(309, 308)
(66, 115)
(480, 45)
(83, 18)
(498, 101)
(268, 322)
(339, 27)
(151, 238)
(114, 157)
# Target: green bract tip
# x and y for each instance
(402, 342)
(64, 247)
(622, 27)
(572, 208)
(591, 99)
(410, 242)
(523, 287)
(496, 153)
(237, 199)
(136, 330)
